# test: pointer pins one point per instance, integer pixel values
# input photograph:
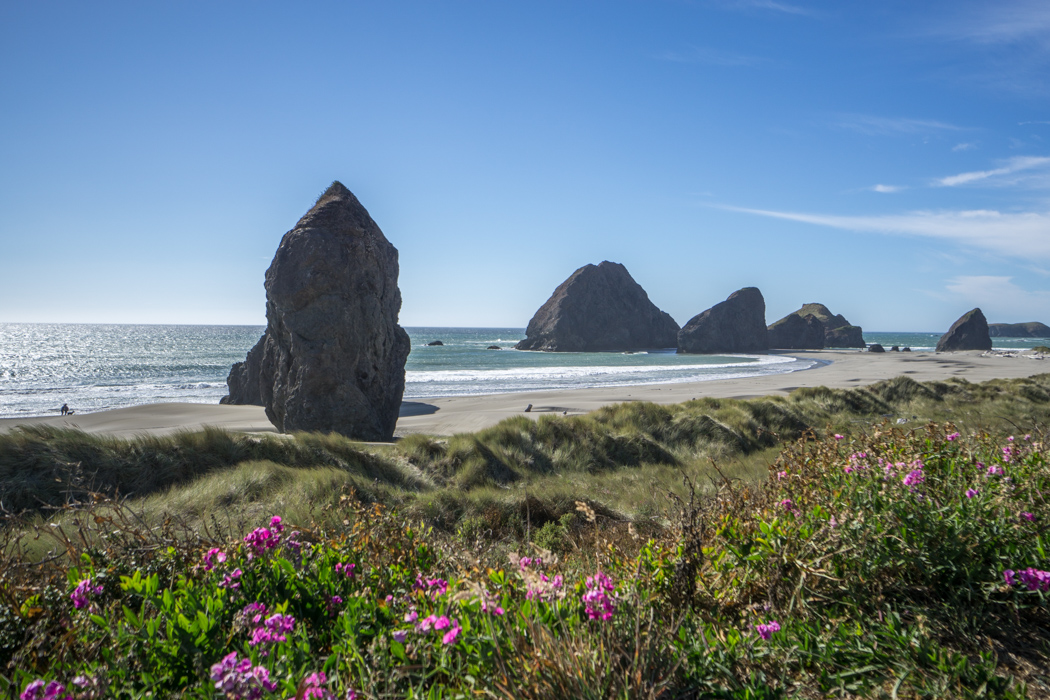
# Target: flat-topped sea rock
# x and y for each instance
(737, 324)
(835, 331)
(333, 355)
(600, 308)
(970, 332)
(1032, 329)
(797, 332)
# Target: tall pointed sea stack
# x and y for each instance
(600, 308)
(970, 332)
(737, 324)
(333, 356)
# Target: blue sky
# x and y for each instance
(891, 160)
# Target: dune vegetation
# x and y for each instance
(888, 541)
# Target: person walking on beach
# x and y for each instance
(65, 409)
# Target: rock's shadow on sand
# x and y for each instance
(416, 408)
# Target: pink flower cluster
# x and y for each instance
(971, 493)
(1032, 579)
(438, 624)
(266, 631)
(240, 680)
(1008, 453)
(37, 690)
(313, 687)
(599, 600)
(1030, 517)
(231, 581)
(914, 477)
(213, 556)
(264, 539)
(953, 437)
(81, 595)
(856, 462)
(432, 586)
(345, 569)
(766, 630)
(789, 506)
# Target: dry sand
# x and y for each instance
(445, 416)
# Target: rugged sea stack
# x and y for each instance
(1032, 329)
(821, 329)
(333, 356)
(970, 332)
(737, 324)
(600, 308)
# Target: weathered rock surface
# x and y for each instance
(600, 308)
(435, 343)
(244, 382)
(494, 347)
(737, 324)
(333, 356)
(876, 347)
(1032, 329)
(796, 332)
(970, 332)
(836, 331)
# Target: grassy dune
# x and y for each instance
(624, 458)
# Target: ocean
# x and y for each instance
(99, 367)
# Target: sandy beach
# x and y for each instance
(445, 416)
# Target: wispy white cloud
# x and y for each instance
(771, 5)
(1012, 166)
(1001, 22)
(1031, 122)
(1023, 235)
(712, 57)
(881, 126)
(964, 147)
(1000, 298)
(886, 189)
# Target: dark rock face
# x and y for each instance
(737, 324)
(435, 343)
(970, 332)
(494, 347)
(244, 382)
(835, 331)
(1032, 329)
(876, 347)
(333, 356)
(600, 308)
(844, 337)
(797, 332)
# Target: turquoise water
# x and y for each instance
(97, 367)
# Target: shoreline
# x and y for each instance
(840, 369)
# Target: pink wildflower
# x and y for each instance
(970, 493)
(333, 604)
(212, 557)
(313, 687)
(82, 593)
(839, 437)
(598, 599)
(230, 580)
(400, 636)
(1008, 575)
(260, 541)
(345, 569)
(273, 629)
(452, 633)
(766, 631)
(442, 623)
(1035, 580)
(1030, 517)
(914, 478)
(782, 475)
(411, 616)
(239, 679)
(952, 437)
(38, 691)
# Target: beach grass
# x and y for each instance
(885, 560)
